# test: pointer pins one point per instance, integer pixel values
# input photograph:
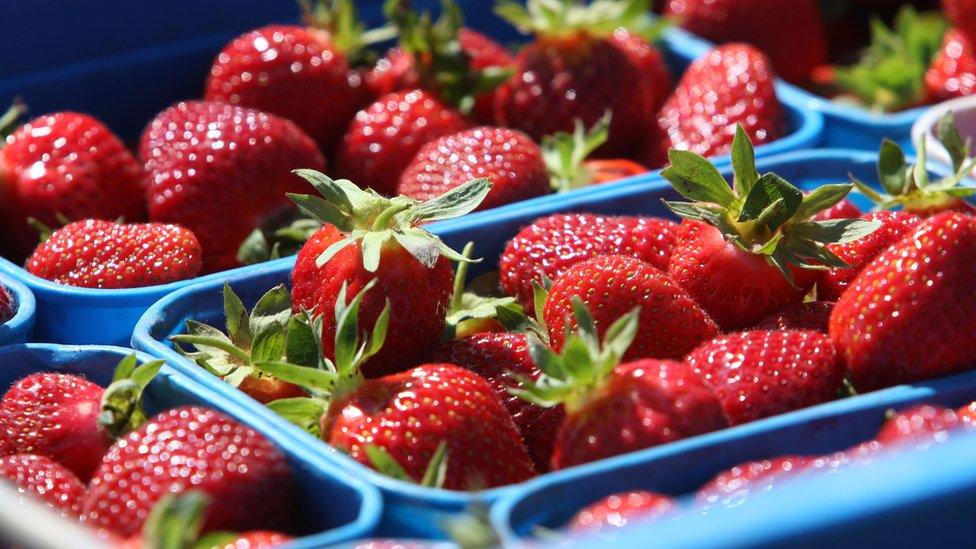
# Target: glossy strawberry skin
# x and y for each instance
(731, 84)
(762, 373)
(410, 413)
(54, 415)
(968, 412)
(607, 171)
(671, 323)
(46, 479)
(953, 71)
(813, 315)
(267, 389)
(293, 72)
(649, 61)
(845, 209)
(908, 315)
(733, 486)
(418, 295)
(246, 477)
(921, 426)
(69, 164)
(618, 510)
(644, 404)
(962, 14)
(104, 254)
(221, 171)
(551, 245)
(386, 135)
(508, 158)
(8, 306)
(494, 356)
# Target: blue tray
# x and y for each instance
(333, 507)
(16, 329)
(412, 510)
(928, 485)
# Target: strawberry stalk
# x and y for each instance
(348, 34)
(121, 407)
(9, 120)
(565, 153)
(469, 310)
(565, 19)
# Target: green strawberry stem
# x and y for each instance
(571, 18)
(469, 307)
(348, 34)
(434, 474)
(10, 119)
(121, 406)
(564, 153)
(176, 521)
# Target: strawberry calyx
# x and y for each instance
(176, 521)
(467, 310)
(346, 31)
(10, 120)
(763, 215)
(565, 154)
(573, 19)
(121, 406)
(909, 186)
(434, 475)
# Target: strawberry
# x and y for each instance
(104, 254)
(670, 323)
(575, 70)
(952, 72)
(758, 374)
(494, 356)
(63, 166)
(618, 510)
(968, 412)
(789, 31)
(608, 171)
(921, 426)
(811, 315)
(962, 14)
(744, 252)
(551, 245)
(613, 408)
(857, 254)
(368, 237)
(246, 476)
(46, 479)
(729, 85)
(508, 158)
(385, 136)
(845, 209)
(731, 487)
(906, 316)
(649, 60)
(8, 305)
(69, 419)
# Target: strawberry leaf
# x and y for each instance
(772, 200)
(695, 178)
(304, 412)
(743, 162)
(822, 198)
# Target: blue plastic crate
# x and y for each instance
(413, 510)
(16, 329)
(332, 506)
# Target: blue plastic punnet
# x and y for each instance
(332, 506)
(17, 328)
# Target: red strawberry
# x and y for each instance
(907, 316)
(221, 171)
(46, 479)
(731, 487)
(845, 209)
(789, 31)
(64, 164)
(494, 356)
(671, 324)
(385, 136)
(812, 315)
(575, 70)
(730, 85)
(968, 412)
(953, 71)
(258, 539)
(246, 477)
(8, 306)
(962, 14)
(104, 254)
(508, 158)
(744, 252)
(760, 373)
(921, 426)
(648, 59)
(553, 244)
(857, 254)
(618, 510)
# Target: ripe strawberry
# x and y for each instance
(953, 70)
(608, 171)
(789, 31)
(63, 165)
(614, 408)
(207, 160)
(649, 60)
(921, 426)
(508, 158)
(812, 315)
(575, 70)
(46, 479)
(968, 412)
(392, 72)
(618, 510)
(857, 254)
(729, 85)
(245, 475)
(760, 373)
(907, 316)
(495, 356)
(8, 306)
(845, 209)
(551, 245)
(731, 487)
(743, 252)
(104, 254)
(671, 323)
(962, 14)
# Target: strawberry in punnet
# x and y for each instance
(747, 251)
(758, 374)
(730, 488)
(105, 254)
(46, 479)
(731, 85)
(811, 315)
(63, 166)
(70, 419)
(845, 209)
(670, 323)
(618, 510)
(921, 426)
(649, 60)
(613, 408)
(953, 71)
(221, 171)
(908, 314)
(549, 246)
(575, 70)
(8, 306)
(365, 237)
